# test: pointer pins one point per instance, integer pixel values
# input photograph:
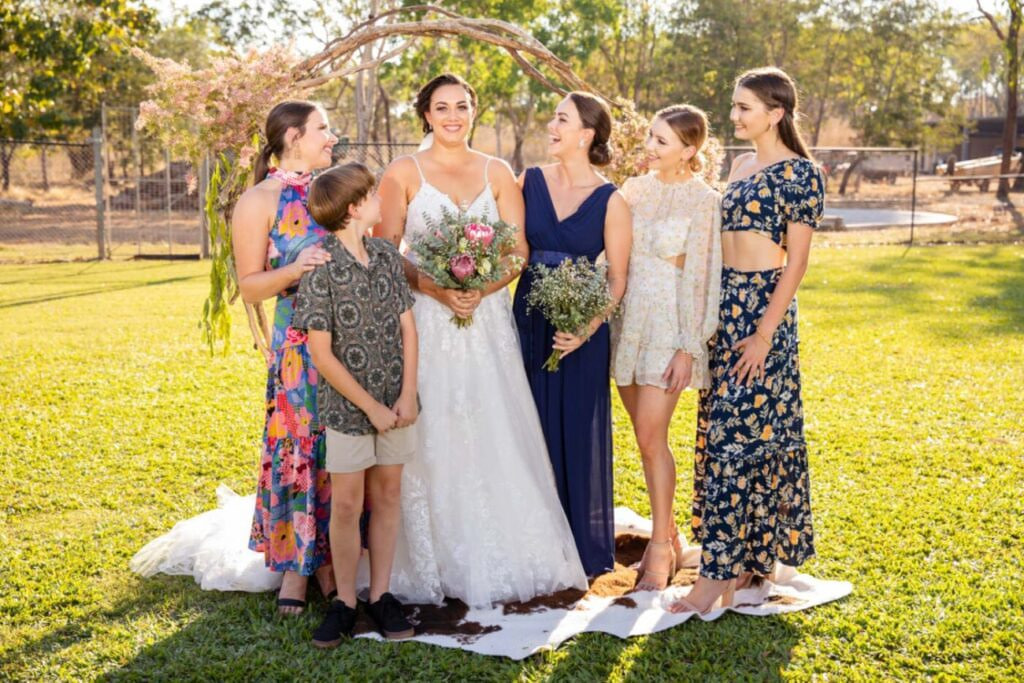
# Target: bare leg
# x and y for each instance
(346, 507)
(325, 577)
(651, 410)
(385, 484)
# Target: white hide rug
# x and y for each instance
(212, 548)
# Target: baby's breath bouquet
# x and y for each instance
(465, 252)
(569, 296)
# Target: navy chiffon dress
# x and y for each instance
(574, 403)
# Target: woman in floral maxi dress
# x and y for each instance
(274, 242)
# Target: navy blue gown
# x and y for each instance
(574, 403)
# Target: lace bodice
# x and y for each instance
(666, 307)
(429, 201)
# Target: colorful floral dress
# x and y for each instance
(751, 504)
(294, 492)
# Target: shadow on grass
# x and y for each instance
(238, 637)
(733, 647)
(46, 275)
(102, 289)
(912, 280)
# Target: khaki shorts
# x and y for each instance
(346, 453)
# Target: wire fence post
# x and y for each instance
(204, 225)
(137, 161)
(913, 199)
(167, 189)
(101, 222)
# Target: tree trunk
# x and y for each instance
(849, 171)
(6, 152)
(517, 151)
(1012, 83)
(386, 103)
(366, 87)
(42, 164)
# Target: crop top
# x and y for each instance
(788, 191)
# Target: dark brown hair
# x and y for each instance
(335, 190)
(284, 115)
(595, 115)
(690, 124)
(427, 91)
(776, 89)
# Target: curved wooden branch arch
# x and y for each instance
(335, 61)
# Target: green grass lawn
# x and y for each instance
(116, 424)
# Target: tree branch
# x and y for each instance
(992, 21)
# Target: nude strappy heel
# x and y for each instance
(681, 605)
(652, 580)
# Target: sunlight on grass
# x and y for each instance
(116, 424)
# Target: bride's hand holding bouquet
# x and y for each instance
(462, 254)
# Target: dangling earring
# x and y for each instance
(580, 146)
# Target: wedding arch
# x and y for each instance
(216, 113)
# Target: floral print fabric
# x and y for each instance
(789, 191)
(293, 494)
(751, 503)
(667, 308)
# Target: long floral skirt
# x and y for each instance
(293, 497)
(751, 500)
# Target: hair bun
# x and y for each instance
(600, 153)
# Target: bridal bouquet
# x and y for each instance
(465, 252)
(569, 296)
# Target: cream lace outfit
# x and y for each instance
(665, 307)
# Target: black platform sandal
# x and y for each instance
(284, 603)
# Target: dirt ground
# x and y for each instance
(981, 218)
(61, 225)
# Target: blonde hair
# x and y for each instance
(690, 124)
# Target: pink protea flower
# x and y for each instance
(462, 265)
(480, 232)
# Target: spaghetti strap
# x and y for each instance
(416, 161)
(487, 166)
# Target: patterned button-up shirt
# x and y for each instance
(360, 306)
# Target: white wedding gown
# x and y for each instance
(481, 517)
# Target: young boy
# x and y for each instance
(357, 309)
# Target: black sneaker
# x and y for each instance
(339, 622)
(387, 613)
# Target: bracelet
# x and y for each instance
(759, 333)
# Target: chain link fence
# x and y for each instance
(879, 195)
(118, 194)
(48, 200)
(121, 195)
(152, 205)
(376, 155)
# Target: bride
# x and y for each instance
(482, 520)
